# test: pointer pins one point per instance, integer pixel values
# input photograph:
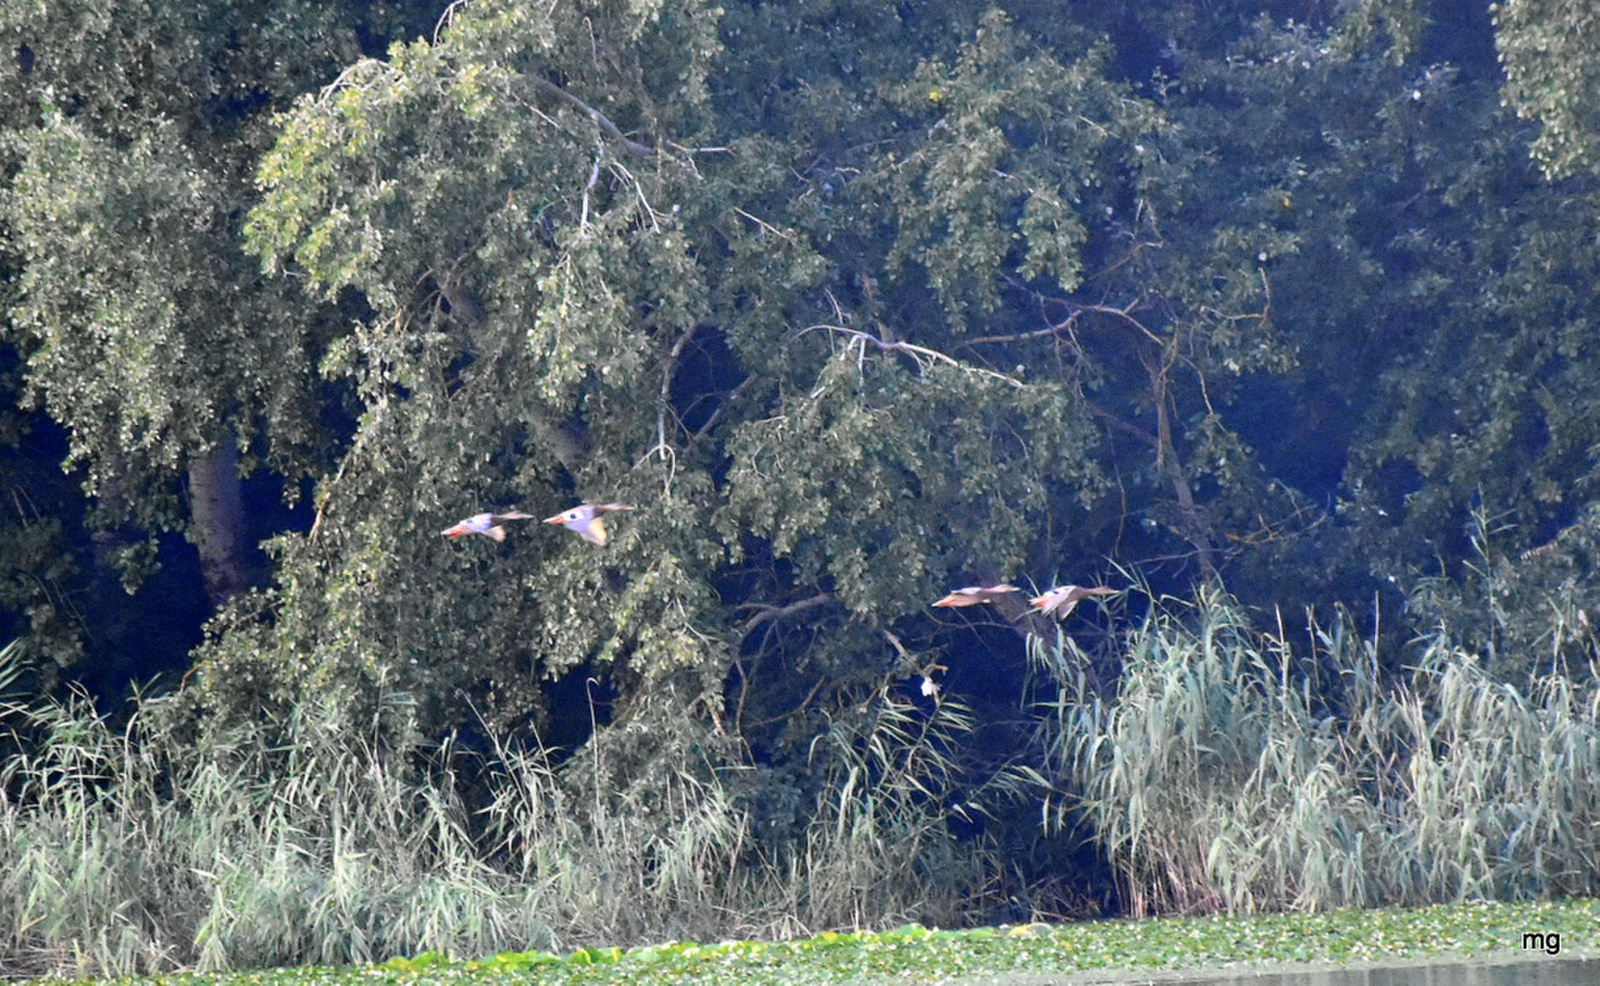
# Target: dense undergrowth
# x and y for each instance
(1225, 775)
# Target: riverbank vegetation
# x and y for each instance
(1272, 321)
(1476, 934)
(1215, 780)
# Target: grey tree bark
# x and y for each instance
(216, 515)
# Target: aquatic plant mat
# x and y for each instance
(924, 955)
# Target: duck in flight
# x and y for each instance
(585, 521)
(1063, 599)
(489, 525)
(973, 595)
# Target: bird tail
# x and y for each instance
(497, 532)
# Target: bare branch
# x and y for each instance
(765, 612)
(668, 454)
(857, 337)
(600, 119)
(1070, 322)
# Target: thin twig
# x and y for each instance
(669, 455)
(716, 414)
(792, 712)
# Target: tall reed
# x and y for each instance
(146, 848)
(1218, 777)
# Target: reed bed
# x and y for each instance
(1224, 772)
(144, 849)
(1221, 777)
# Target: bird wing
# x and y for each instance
(1063, 607)
(594, 532)
(1048, 600)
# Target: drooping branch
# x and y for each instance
(1070, 323)
(600, 119)
(921, 355)
(765, 612)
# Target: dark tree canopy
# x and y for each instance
(130, 144)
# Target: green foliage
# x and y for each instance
(1398, 25)
(128, 145)
(869, 338)
(119, 65)
(843, 489)
(529, 310)
(33, 572)
(849, 321)
(181, 333)
(996, 152)
(1399, 228)
(538, 313)
(1551, 76)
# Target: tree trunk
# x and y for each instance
(216, 520)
